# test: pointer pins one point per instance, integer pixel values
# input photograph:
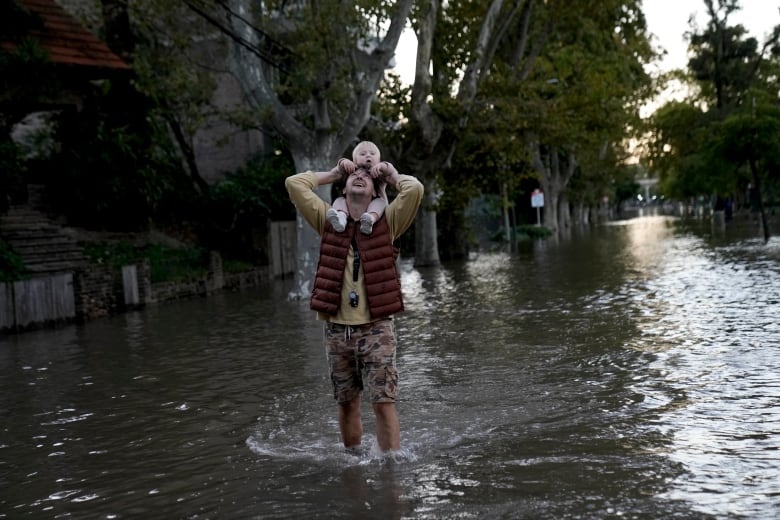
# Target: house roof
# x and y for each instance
(65, 40)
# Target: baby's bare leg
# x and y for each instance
(341, 205)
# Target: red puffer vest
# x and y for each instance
(377, 257)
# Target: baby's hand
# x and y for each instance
(379, 171)
(347, 167)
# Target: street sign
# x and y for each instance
(537, 199)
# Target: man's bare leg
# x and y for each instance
(388, 429)
(350, 423)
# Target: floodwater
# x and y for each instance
(630, 371)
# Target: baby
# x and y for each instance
(365, 155)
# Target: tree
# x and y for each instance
(752, 140)
(591, 85)
(310, 72)
(723, 137)
(175, 72)
(677, 151)
(561, 77)
(725, 61)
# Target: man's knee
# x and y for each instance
(350, 408)
(384, 409)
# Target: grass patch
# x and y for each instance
(236, 266)
(521, 233)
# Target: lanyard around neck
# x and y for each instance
(356, 263)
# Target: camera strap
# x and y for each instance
(356, 263)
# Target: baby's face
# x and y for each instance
(366, 155)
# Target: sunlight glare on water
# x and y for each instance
(713, 321)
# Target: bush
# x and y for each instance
(533, 231)
(165, 263)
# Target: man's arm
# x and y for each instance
(301, 187)
(401, 212)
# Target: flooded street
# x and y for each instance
(629, 371)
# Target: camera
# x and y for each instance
(353, 299)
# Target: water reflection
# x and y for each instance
(631, 371)
(712, 318)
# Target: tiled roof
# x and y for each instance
(65, 40)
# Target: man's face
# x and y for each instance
(360, 183)
(366, 156)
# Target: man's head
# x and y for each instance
(360, 184)
(366, 154)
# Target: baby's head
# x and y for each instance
(366, 154)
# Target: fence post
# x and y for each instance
(216, 271)
(130, 285)
(7, 307)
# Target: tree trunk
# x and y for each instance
(432, 138)
(564, 211)
(759, 198)
(426, 242)
(553, 178)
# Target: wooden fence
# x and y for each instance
(38, 300)
(282, 239)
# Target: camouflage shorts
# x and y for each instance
(358, 350)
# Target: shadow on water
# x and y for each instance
(630, 371)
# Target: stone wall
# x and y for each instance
(101, 292)
(97, 291)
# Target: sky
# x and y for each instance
(666, 19)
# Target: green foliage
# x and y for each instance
(12, 187)
(581, 95)
(624, 189)
(252, 193)
(11, 265)
(166, 264)
(724, 58)
(27, 80)
(533, 231)
(391, 107)
(168, 65)
(236, 266)
(235, 213)
(708, 144)
(113, 166)
(114, 255)
(750, 137)
(176, 264)
(523, 232)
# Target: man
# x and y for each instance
(356, 293)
